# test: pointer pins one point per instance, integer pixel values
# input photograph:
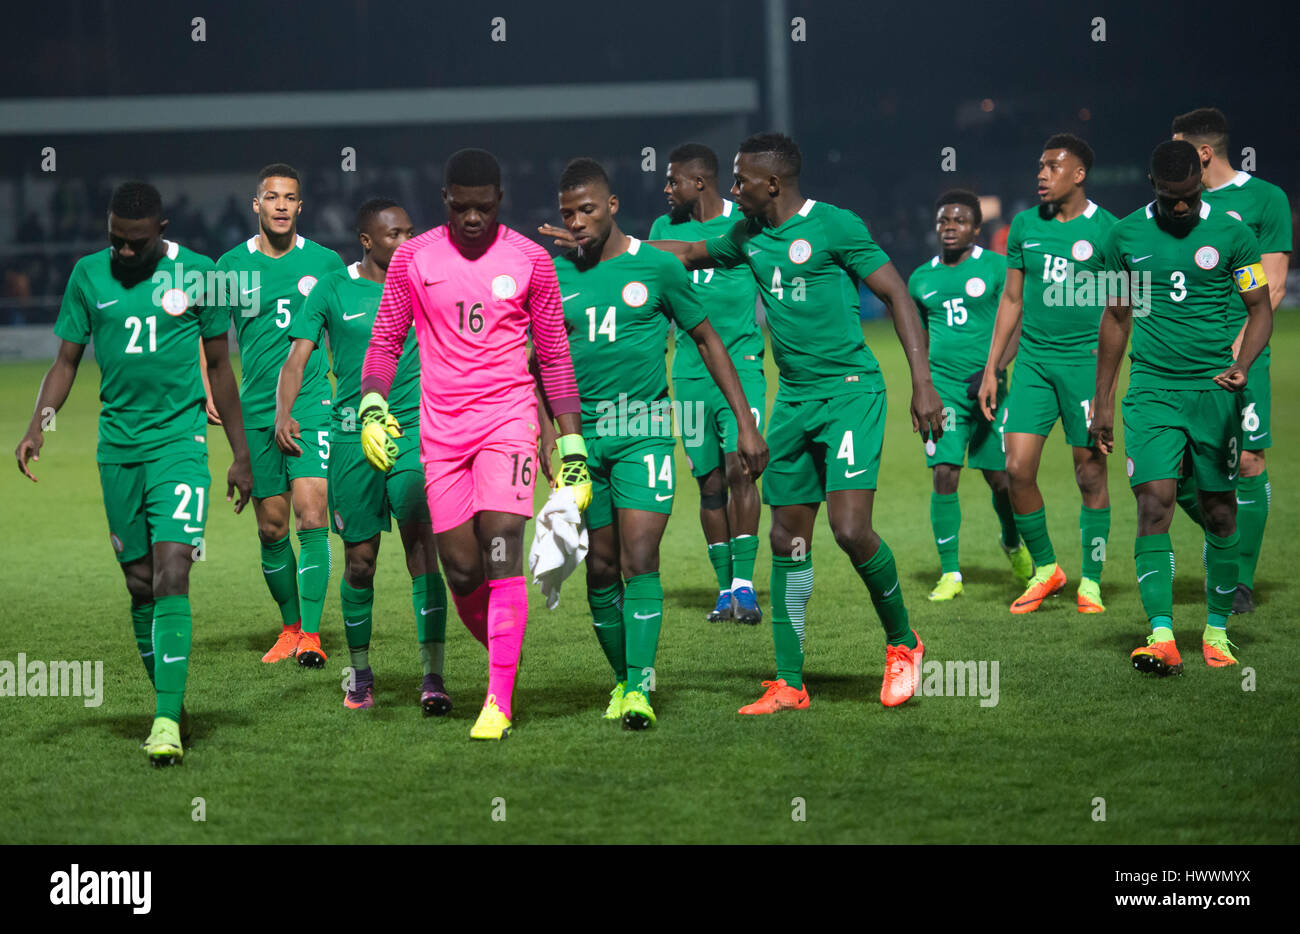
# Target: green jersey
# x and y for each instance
(343, 305)
(808, 270)
(729, 294)
(958, 305)
(617, 315)
(147, 346)
(1060, 262)
(271, 292)
(1181, 294)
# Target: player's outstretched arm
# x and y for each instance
(927, 409)
(1112, 338)
(1259, 328)
(749, 443)
(286, 394)
(49, 399)
(225, 396)
(693, 254)
(1006, 338)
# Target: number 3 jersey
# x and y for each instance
(146, 343)
(958, 305)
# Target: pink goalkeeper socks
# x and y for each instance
(507, 617)
(473, 611)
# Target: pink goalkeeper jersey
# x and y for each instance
(472, 320)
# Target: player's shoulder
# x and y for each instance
(988, 258)
(92, 263)
(661, 227)
(318, 252)
(192, 259)
(528, 249)
(920, 272)
(239, 254)
(423, 241)
(1099, 215)
(830, 214)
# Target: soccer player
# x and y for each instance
(1183, 256)
(1053, 256)
(476, 291)
(143, 301)
(957, 294)
(343, 305)
(276, 269)
(828, 420)
(619, 296)
(729, 502)
(1265, 210)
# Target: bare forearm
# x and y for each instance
(913, 337)
(1112, 338)
(1259, 328)
(570, 423)
(54, 391)
(288, 387)
(693, 254)
(722, 370)
(1006, 326)
(1013, 345)
(225, 396)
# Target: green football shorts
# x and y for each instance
(1042, 393)
(966, 432)
(823, 445)
(274, 471)
(1257, 407)
(362, 499)
(707, 424)
(1160, 424)
(162, 500)
(629, 473)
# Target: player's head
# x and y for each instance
(692, 170)
(1175, 176)
(587, 206)
(278, 200)
(765, 164)
(382, 226)
(1063, 167)
(958, 218)
(471, 192)
(1206, 128)
(135, 225)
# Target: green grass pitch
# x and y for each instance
(276, 757)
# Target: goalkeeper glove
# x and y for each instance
(378, 429)
(573, 469)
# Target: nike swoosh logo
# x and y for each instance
(1138, 259)
(889, 591)
(853, 473)
(659, 498)
(252, 290)
(1035, 243)
(168, 659)
(1245, 502)
(266, 570)
(197, 528)
(1145, 576)
(424, 611)
(1218, 589)
(433, 281)
(348, 622)
(359, 314)
(308, 568)
(928, 294)
(752, 252)
(1257, 437)
(944, 541)
(565, 298)
(106, 304)
(645, 615)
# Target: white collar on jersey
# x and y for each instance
(1205, 210)
(633, 246)
(726, 207)
(173, 249)
(807, 206)
(252, 243)
(355, 270)
(974, 254)
(1235, 182)
(1090, 210)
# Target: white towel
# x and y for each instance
(559, 544)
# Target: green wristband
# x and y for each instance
(570, 445)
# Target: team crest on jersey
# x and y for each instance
(338, 521)
(635, 294)
(1128, 465)
(800, 251)
(975, 287)
(306, 283)
(1081, 250)
(1234, 214)
(116, 542)
(174, 302)
(1207, 257)
(504, 286)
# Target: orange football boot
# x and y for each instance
(286, 646)
(1040, 588)
(902, 672)
(310, 653)
(779, 696)
(1159, 658)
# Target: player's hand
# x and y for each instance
(573, 469)
(988, 394)
(214, 417)
(378, 431)
(927, 411)
(563, 239)
(752, 449)
(545, 448)
(29, 449)
(286, 429)
(1102, 427)
(239, 477)
(1233, 379)
(976, 382)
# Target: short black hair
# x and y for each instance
(278, 170)
(1205, 125)
(696, 152)
(779, 145)
(962, 196)
(1174, 160)
(1071, 144)
(472, 168)
(135, 200)
(582, 171)
(367, 212)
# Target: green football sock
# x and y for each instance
(792, 583)
(945, 520)
(1154, 557)
(1033, 530)
(607, 619)
(358, 621)
(313, 575)
(880, 575)
(744, 549)
(173, 630)
(643, 606)
(1162, 627)
(720, 558)
(1007, 519)
(142, 624)
(1221, 571)
(1188, 500)
(281, 573)
(1254, 494)
(1094, 529)
(429, 601)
